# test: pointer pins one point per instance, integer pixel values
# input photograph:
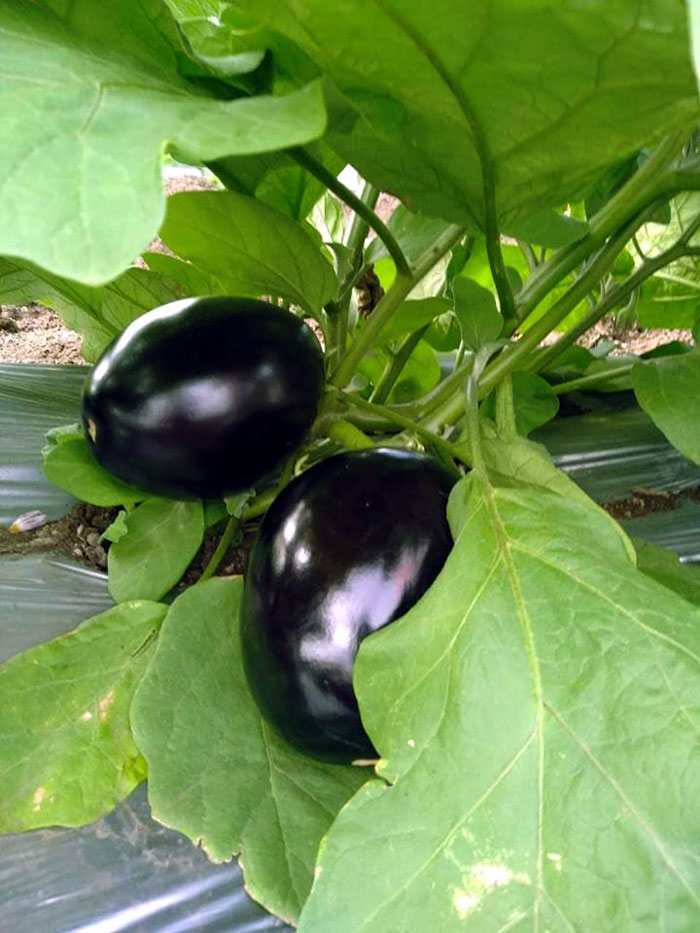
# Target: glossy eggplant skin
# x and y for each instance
(202, 397)
(346, 548)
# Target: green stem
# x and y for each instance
(389, 415)
(221, 549)
(612, 299)
(450, 410)
(473, 425)
(357, 204)
(513, 357)
(347, 434)
(401, 287)
(585, 382)
(633, 197)
(395, 365)
(505, 408)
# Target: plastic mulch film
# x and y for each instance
(32, 400)
(126, 873)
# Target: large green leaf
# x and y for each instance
(162, 536)
(100, 97)
(668, 389)
(669, 300)
(66, 752)
(537, 715)
(665, 567)
(250, 247)
(217, 771)
(549, 91)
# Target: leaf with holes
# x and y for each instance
(552, 692)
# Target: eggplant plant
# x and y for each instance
(535, 708)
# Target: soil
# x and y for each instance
(647, 502)
(78, 535)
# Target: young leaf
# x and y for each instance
(548, 228)
(476, 310)
(162, 538)
(217, 772)
(95, 80)
(668, 388)
(553, 693)
(251, 248)
(69, 464)
(665, 567)
(117, 529)
(67, 754)
(414, 232)
(423, 89)
(420, 374)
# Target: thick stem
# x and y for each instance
(357, 204)
(347, 434)
(612, 299)
(514, 356)
(395, 365)
(400, 289)
(633, 197)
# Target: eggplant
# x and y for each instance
(202, 397)
(346, 548)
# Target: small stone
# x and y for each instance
(79, 530)
(93, 538)
(101, 556)
(77, 553)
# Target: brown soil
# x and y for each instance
(77, 535)
(647, 502)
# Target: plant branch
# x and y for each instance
(395, 365)
(585, 382)
(633, 197)
(221, 549)
(357, 204)
(512, 358)
(616, 296)
(402, 285)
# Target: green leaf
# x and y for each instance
(412, 315)
(548, 228)
(67, 754)
(551, 92)
(668, 302)
(117, 529)
(106, 98)
(694, 15)
(192, 281)
(479, 318)
(552, 692)
(251, 248)
(217, 772)
(668, 388)
(162, 538)
(665, 567)
(69, 464)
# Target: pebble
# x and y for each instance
(79, 530)
(93, 538)
(77, 553)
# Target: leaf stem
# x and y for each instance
(586, 382)
(641, 189)
(517, 354)
(395, 365)
(221, 549)
(316, 168)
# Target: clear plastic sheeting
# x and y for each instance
(678, 530)
(33, 399)
(610, 454)
(124, 872)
